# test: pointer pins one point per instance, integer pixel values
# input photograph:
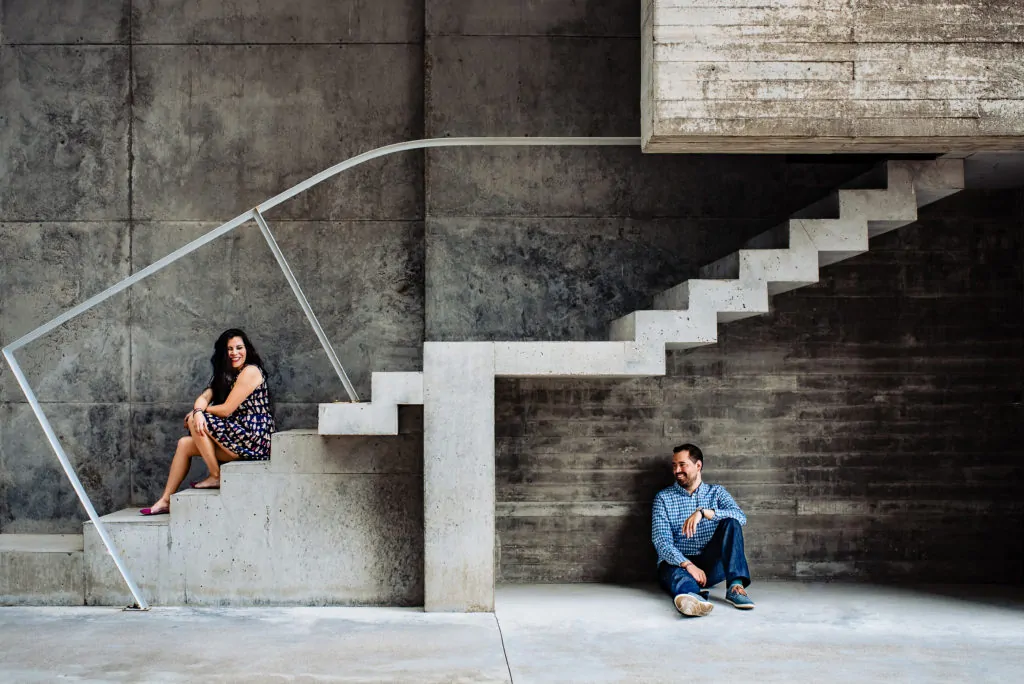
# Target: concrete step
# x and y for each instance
(42, 570)
(731, 299)
(889, 195)
(669, 329)
(328, 521)
(307, 452)
(142, 542)
(379, 416)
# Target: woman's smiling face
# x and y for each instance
(236, 352)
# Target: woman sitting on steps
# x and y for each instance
(230, 420)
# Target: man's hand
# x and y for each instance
(696, 573)
(690, 524)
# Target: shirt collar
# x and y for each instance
(682, 490)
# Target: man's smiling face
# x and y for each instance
(685, 470)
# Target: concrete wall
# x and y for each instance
(129, 128)
(870, 426)
(147, 123)
(553, 244)
(833, 75)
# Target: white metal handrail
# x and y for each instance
(255, 214)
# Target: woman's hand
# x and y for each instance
(199, 421)
(196, 421)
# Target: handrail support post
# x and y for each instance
(304, 303)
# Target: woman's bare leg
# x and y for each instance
(179, 468)
(212, 453)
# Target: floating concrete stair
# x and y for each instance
(789, 256)
(685, 316)
(42, 570)
(327, 521)
(379, 416)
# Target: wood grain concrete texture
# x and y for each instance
(870, 425)
(832, 75)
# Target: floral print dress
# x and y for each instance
(247, 431)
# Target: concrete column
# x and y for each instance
(458, 476)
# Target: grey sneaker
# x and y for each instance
(738, 597)
(693, 605)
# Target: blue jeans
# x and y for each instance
(721, 559)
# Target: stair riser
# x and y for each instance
(42, 579)
(722, 296)
(300, 452)
(144, 550)
(358, 419)
(304, 540)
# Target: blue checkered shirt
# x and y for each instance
(673, 505)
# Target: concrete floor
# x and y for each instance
(540, 633)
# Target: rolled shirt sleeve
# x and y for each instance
(725, 507)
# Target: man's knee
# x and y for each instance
(733, 523)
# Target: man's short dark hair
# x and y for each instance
(696, 455)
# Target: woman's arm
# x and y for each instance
(248, 380)
(203, 400)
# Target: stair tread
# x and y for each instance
(131, 516)
(41, 543)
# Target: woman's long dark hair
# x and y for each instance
(223, 375)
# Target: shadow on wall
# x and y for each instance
(637, 560)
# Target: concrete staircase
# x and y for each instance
(328, 521)
(686, 316)
(386, 515)
(379, 416)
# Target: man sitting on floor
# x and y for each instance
(697, 530)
